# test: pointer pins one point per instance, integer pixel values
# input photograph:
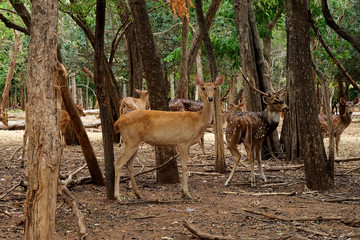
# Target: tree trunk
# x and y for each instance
(10, 74)
(197, 40)
(156, 83)
(301, 130)
(183, 87)
(44, 137)
(199, 71)
(133, 53)
(104, 101)
(220, 165)
(82, 136)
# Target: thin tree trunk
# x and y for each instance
(156, 84)
(44, 148)
(183, 87)
(199, 71)
(104, 101)
(10, 74)
(220, 165)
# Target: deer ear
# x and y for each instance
(356, 100)
(198, 80)
(342, 101)
(219, 80)
(265, 99)
(138, 91)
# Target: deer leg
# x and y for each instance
(201, 143)
(118, 165)
(24, 147)
(184, 158)
(236, 154)
(130, 168)
(250, 154)
(258, 158)
(337, 140)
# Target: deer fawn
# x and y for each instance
(251, 129)
(63, 123)
(161, 128)
(340, 122)
(4, 118)
(141, 103)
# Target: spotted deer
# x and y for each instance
(164, 128)
(252, 128)
(339, 122)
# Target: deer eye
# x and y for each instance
(203, 88)
(214, 88)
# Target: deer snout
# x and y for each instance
(210, 99)
(286, 109)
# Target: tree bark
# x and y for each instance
(301, 130)
(80, 131)
(156, 84)
(104, 101)
(10, 74)
(183, 88)
(220, 165)
(44, 148)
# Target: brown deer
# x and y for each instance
(180, 104)
(340, 122)
(141, 103)
(252, 128)
(162, 128)
(63, 123)
(4, 117)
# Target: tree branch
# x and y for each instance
(342, 69)
(339, 30)
(12, 25)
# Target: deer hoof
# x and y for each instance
(186, 196)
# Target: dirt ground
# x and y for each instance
(282, 208)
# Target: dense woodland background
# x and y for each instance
(111, 48)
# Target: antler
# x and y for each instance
(255, 89)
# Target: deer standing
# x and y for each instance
(162, 128)
(4, 118)
(251, 129)
(340, 122)
(63, 123)
(141, 103)
(180, 104)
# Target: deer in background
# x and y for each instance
(163, 128)
(252, 128)
(141, 103)
(4, 117)
(63, 123)
(340, 122)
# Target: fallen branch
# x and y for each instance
(262, 194)
(72, 175)
(353, 222)
(137, 202)
(151, 170)
(70, 200)
(353, 170)
(204, 236)
(313, 231)
(347, 159)
(21, 182)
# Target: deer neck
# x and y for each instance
(272, 118)
(346, 118)
(207, 112)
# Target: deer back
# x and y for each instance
(185, 105)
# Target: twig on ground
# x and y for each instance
(150, 170)
(304, 229)
(204, 236)
(262, 194)
(137, 202)
(67, 181)
(21, 182)
(70, 200)
(353, 222)
(12, 155)
(353, 170)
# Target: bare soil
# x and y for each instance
(238, 210)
